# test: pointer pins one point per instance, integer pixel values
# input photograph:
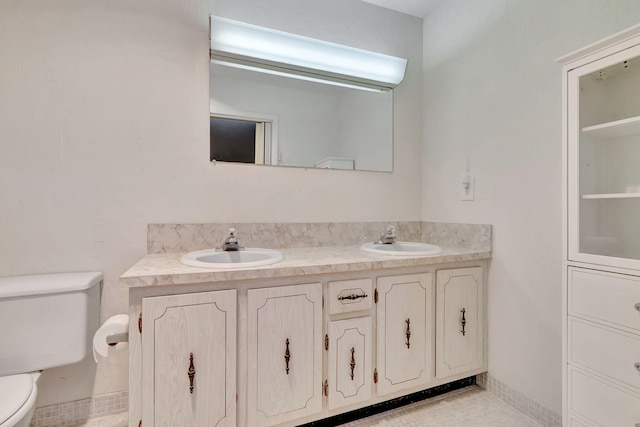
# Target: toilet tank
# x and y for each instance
(47, 320)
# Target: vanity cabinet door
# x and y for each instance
(405, 332)
(285, 353)
(349, 376)
(189, 359)
(459, 322)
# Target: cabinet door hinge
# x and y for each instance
(375, 376)
(375, 296)
(325, 388)
(326, 341)
(140, 323)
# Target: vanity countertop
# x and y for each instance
(166, 268)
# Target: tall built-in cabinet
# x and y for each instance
(601, 279)
(283, 352)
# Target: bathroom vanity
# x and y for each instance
(325, 331)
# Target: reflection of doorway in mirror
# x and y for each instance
(240, 140)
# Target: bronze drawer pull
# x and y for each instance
(353, 361)
(464, 322)
(408, 333)
(287, 356)
(353, 297)
(191, 373)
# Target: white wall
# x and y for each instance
(104, 128)
(492, 93)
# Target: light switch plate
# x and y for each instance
(467, 188)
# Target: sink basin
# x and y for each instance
(402, 248)
(249, 257)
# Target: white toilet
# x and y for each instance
(46, 320)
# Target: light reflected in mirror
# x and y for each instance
(290, 122)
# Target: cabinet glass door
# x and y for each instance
(604, 160)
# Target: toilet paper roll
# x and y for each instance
(114, 325)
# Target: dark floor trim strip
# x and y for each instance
(391, 404)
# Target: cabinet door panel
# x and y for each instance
(459, 348)
(405, 337)
(176, 327)
(285, 353)
(349, 362)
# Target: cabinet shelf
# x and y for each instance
(612, 196)
(616, 129)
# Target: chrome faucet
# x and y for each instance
(231, 242)
(388, 237)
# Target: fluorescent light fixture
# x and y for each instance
(263, 49)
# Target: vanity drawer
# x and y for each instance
(350, 295)
(605, 350)
(605, 297)
(602, 402)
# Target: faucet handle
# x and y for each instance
(388, 237)
(231, 242)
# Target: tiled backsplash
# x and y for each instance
(472, 236)
(172, 238)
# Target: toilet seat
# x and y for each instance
(16, 396)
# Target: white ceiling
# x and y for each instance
(419, 8)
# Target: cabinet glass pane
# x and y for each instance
(609, 162)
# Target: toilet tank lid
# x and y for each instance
(38, 284)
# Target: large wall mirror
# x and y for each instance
(276, 120)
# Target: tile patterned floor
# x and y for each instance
(467, 407)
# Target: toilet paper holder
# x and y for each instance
(116, 338)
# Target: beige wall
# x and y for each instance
(493, 99)
(104, 128)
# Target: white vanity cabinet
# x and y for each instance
(405, 321)
(284, 336)
(284, 352)
(459, 321)
(601, 238)
(189, 359)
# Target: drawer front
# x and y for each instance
(605, 350)
(350, 295)
(603, 403)
(610, 298)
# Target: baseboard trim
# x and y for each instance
(80, 411)
(543, 415)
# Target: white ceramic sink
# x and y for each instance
(402, 248)
(215, 258)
